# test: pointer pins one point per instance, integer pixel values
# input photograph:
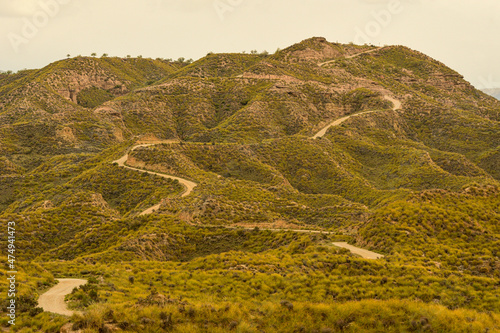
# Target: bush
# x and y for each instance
(93, 97)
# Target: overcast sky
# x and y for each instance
(464, 34)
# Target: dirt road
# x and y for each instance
(188, 185)
(53, 299)
(353, 55)
(359, 251)
(356, 250)
(396, 105)
(337, 122)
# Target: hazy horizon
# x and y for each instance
(37, 32)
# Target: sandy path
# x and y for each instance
(396, 102)
(53, 299)
(359, 251)
(396, 106)
(356, 250)
(353, 55)
(337, 122)
(188, 185)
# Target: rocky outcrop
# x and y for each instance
(66, 134)
(97, 200)
(315, 49)
(69, 83)
(449, 82)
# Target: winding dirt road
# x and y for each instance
(354, 249)
(396, 105)
(337, 122)
(359, 251)
(188, 185)
(53, 299)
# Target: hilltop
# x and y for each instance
(52, 110)
(381, 147)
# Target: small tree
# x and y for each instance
(181, 59)
(128, 56)
(94, 54)
(104, 55)
(68, 55)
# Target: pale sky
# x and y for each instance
(463, 34)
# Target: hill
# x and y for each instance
(381, 147)
(52, 110)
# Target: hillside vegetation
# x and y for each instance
(408, 167)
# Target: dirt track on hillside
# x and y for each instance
(53, 299)
(356, 250)
(353, 55)
(188, 185)
(359, 251)
(396, 106)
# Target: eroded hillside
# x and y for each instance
(382, 147)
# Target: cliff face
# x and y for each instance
(69, 84)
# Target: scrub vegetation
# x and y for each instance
(250, 249)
